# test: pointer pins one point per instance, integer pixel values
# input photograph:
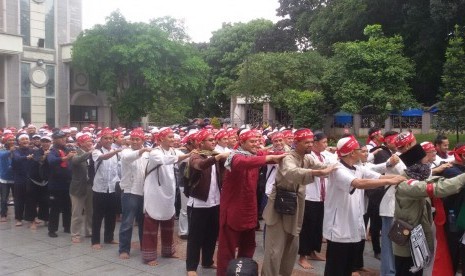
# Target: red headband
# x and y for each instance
(277, 135)
(246, 135)
(457, 152)
(221, 134)
(391, 139)
(303, 134)
(137, 133)
(348, 146)
(375, 133)
(164, 132)
(202, 135)
(7, 137)
(404, 139)
(288, 134)
(106, 131)
(83, 138)
(428, 146)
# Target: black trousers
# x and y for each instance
(37, 202)
(203, 233)
(104, 207)
(19, 196)
(60, 202)
(403, 265)
(311, 234)
(340, 258)
(375, 228)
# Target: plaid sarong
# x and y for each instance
(150, 238)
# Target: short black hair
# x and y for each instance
(319, 135)
(373, 130)
(439, 139)
(390, 133)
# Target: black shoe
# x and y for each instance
(183, 237)
(52, 234)
(378, 256)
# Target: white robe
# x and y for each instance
(160, 185)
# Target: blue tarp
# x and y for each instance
(342, 117)
(412, 113)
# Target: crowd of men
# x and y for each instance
(220, 182)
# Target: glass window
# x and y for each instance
(50, 111)
(50, 88)
(50, 24)
(25, 14)
(25, 93)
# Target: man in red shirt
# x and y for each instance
(238, 205)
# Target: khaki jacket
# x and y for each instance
(294, 172)
(414, 207)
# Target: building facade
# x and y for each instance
(37, 82)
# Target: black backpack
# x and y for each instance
(190, 178)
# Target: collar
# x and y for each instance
(353, 168)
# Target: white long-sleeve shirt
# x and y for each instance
(106, 174)
(160, 185)
(133, 171)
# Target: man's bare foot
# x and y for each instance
(113, 242)
(212, 266)
(304, 263)
(3, 219)
(173, 256)
(191, 273)
(356, 273)
(124, 256)
(76, 239)
(97, 246)
(19, 223)
(152, 263)
(33, 226)
(316, 257)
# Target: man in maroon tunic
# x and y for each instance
(238, 205)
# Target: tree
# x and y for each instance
(451, 107)
(138, 65)
(371, 74)
(424, 26)
(229, 47)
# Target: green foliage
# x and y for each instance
(424, 25)
(270, 75)
(168, 111)
(371, 74)
(306, 107)
(229, 47)
(138, 64)
(216, 123)
(452, 109)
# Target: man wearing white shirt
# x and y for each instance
(343, 225)
(133, 164)
(203, 204)
(311, 235)
(104, 200)
(222, 139)
(159, 197)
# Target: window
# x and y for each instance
(25, 93)
(49, 24)
(25, 14)
(50, 96)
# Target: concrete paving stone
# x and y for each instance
(110, 270)
(16, 264)
(54, 255)
(6, 255)
(40, 271)
(78, 264)
(20, 250)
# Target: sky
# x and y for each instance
(200, 17)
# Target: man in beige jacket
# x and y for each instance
(282, 231)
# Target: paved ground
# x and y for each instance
(26, 252)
